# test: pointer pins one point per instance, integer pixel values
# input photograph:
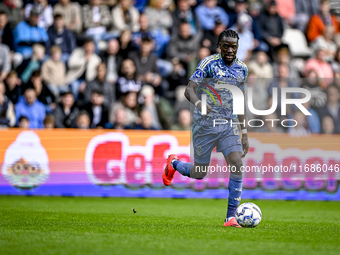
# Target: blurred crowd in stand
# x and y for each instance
(124, 64)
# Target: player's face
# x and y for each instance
(228, 46)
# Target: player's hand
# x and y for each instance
(209, 109)
(245, 145)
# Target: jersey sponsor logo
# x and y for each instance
(198, 74)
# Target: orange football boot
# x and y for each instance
(169, 171)
(232, 223)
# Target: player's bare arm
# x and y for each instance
(243, 119)
(190, 94)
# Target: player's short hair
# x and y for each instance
(227, 33)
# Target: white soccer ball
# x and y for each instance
(248, 215)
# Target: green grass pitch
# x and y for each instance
(56, 225)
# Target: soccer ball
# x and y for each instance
(248, 215)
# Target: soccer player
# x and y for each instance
(226, 68)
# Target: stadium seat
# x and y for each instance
(297, 43)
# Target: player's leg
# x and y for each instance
(234, 160)
(196, 171)
(231, 147)
(203, 143)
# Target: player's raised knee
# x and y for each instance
(235, 159)
(199, 172)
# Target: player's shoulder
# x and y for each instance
(241, 64)
(208, 61)
(242, 70)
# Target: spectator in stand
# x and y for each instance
(7, 117)
(96, 19)
(304, 10)
(210, 36)
(30, 108)
(286, 9)
(261, 66)
(6, 35)
(313, 120)
(97, 110)
(13, 88)
(323, 69)
(327, 125)
(326, 42)
(71, 13)
(202, 53)
(5, 61)
(160, 109)
(183, 121)
(140, 5)
(312, 84)
(53, 72)
(43, 93)
(6, 31)
(146, 64)
(178, 76)
(129, 104)
(336, 81)
(110, 3)
(283, 57)
(125, 16)
(59, 35)
(271, 26)
(128, 79)
(270, 126)
(49, 121)
(28, 33)
(45, 19)
(66, 112)
(241, 7)
(159, 17)
(145, 123)
(119, 119)
(208, 12)
(14, 13)
(160, 40)
(112, 60)
(100, 84)
(301, 129)
(82, 66)
(246, 37)
(336, 62)
(125, 44)
(259, 92)
(183, 12)
(184, 45)
(83, 120)
(23, 122)
(332, 107)
(282, 81)
(319, 21)
(34, 63)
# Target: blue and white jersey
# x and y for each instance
(210, 71)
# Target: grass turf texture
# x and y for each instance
(56, 225)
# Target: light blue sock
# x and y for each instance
(235, 192)
(182, 167)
